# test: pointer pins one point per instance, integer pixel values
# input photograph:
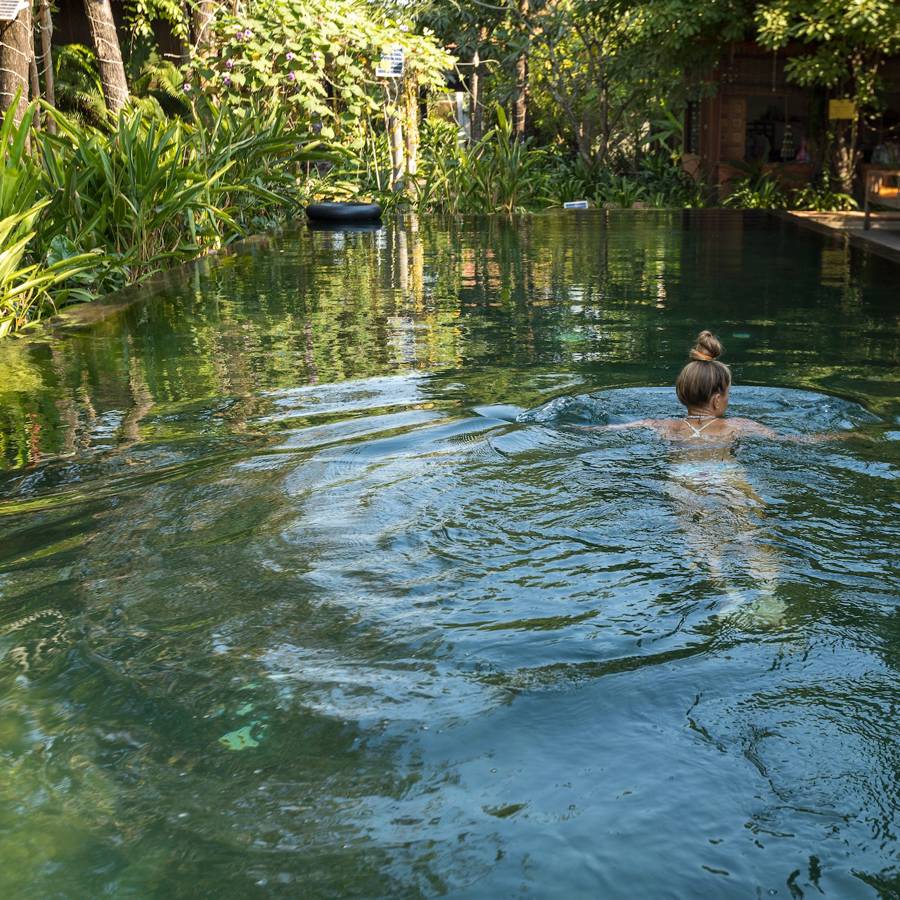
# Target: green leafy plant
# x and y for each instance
(667, 184)
(78, 88)
(266, 161)
(28, 289)
(160, 79)
(498, 173)
(88, 210)
(758, 189)
(315, 61)
(137, 193)
(620, 190)
(822, 197)
(20, 179)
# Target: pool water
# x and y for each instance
(311, 584)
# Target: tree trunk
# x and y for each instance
(521, 105)
(847, 155)
(398, 164)
(521, 102)
(47, 59)
(33, 74)
(109, 54)
(603, 150)
(411, 131)
(202, 19)
(16, 47)
(474, 108)
(393, 124)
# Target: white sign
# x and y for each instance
(10, 9)
(391, 65)
(575, 204)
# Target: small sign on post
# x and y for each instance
(10, 9)
(575, 204)
(392, 63)
(841, 109)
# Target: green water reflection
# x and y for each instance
(284, 610)
(542, 291)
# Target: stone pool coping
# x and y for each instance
(883, 238)
(84, 315)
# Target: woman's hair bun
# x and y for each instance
(707, 347)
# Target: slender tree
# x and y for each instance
(33, 76)
(474, 88)
(46, 23)
(476, 105)
(410, 101)
(109, 54)
(16, 50)
(520, 106)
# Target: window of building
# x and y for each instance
(775, 131)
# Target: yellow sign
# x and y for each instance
(841, 109)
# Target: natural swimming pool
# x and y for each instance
(307, 587)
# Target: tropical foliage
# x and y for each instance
(90, 210)
(274, 102)
(315, 61)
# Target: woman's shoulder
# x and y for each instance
(750, 426)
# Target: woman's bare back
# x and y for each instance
(704, 428)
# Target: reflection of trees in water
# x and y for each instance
(428, 294)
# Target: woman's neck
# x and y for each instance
(707, 411)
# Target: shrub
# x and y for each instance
(498, 173)
(822, 198)
(120, 205)
(760, 191)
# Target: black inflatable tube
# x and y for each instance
(343, 212)
(345, 227)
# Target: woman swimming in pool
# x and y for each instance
(703, 386)
(720, 513)
(721, 516)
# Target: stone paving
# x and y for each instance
(883, 237)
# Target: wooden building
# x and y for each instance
(754, 118)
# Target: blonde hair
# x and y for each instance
(704, 375)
